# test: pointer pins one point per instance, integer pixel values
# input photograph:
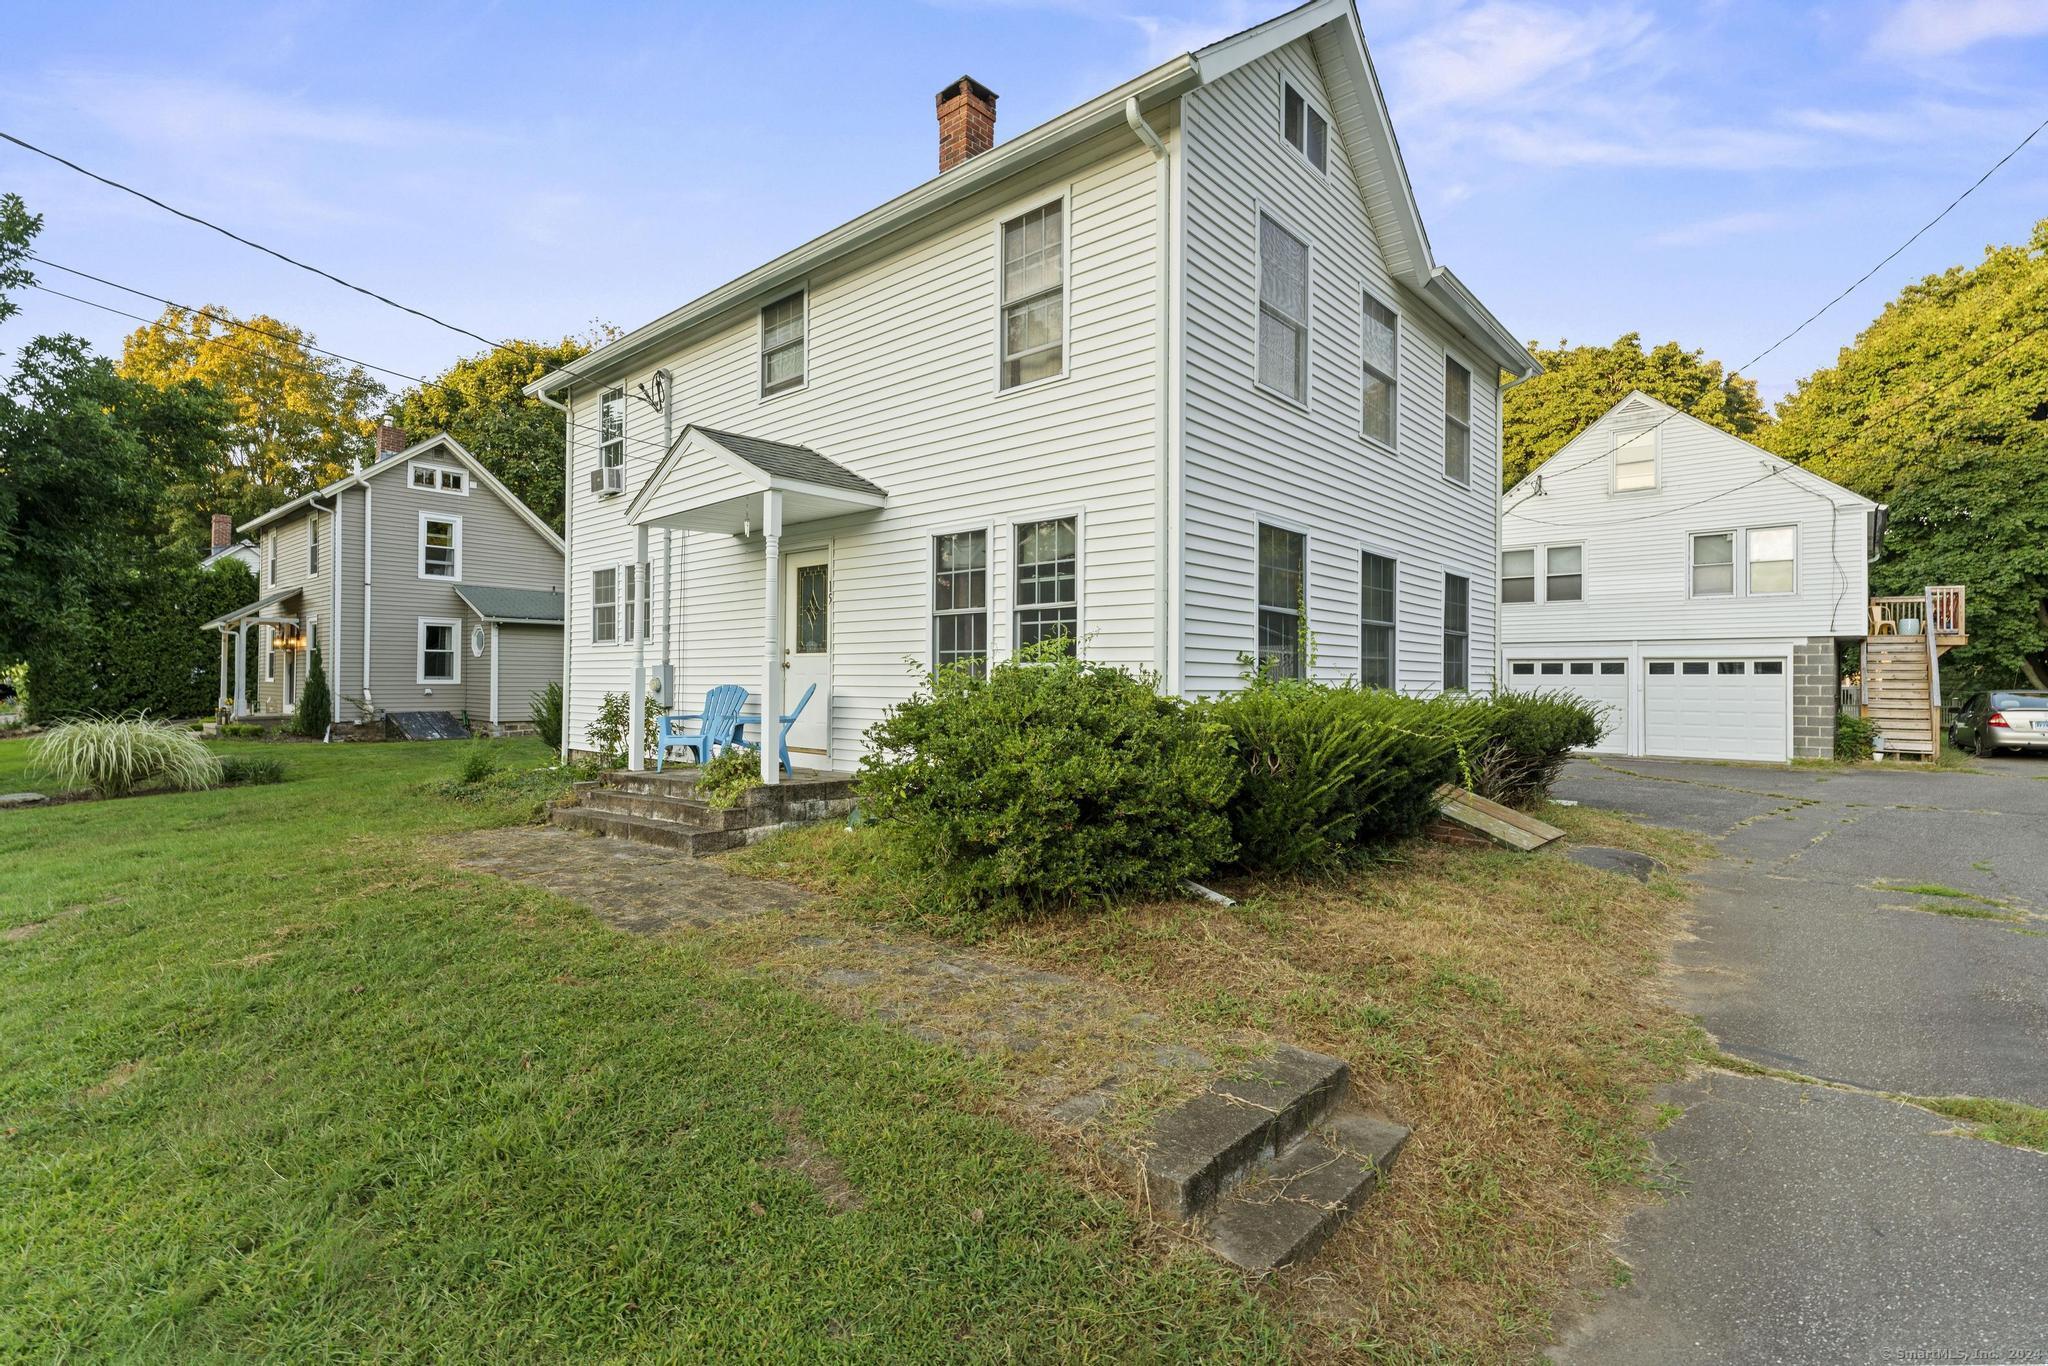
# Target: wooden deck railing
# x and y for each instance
(1939, 610)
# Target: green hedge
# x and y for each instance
(1050, 781)
(1515, 743)
(136, 646)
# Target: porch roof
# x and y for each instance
(712, 480)
(512, 606)
(259, 608)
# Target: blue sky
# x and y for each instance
(1707, 170)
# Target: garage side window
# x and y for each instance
(1518, 576)
(1713, 564)
(1562, 581)
(1773, 560)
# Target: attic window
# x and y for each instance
(443, 477)
(1306, 130)
(1635, 462)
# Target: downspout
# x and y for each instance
(369, 699)
(568, 510)
(1165, 636)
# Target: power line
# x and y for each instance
(258, 246)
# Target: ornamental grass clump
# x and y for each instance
(117, 755)
(1052, 781)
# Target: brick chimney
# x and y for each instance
(967, 122)
(223, 532)
(390, 440)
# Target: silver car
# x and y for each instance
(1992, 721)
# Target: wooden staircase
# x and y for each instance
(1902, 666)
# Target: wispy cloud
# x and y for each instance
(172, 110)
(1938, 28)
(1718, 229)
(1501, 50)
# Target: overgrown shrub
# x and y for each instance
(607, 734)
(547, 715)
(1855, 737)
(731, 773)
(1516, 743)
(1328, 770)
(115, 755)
(1050, 781)
(242, 730)
(132, 644)
(316, 708)
(242, 771)
(478, 765)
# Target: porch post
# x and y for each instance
(242, 667)
(223, 668)
(771, 632)
(636, 724)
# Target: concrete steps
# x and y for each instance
(1261, 1165)
(662, 809)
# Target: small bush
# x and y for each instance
(115, 755)
(242, 730)
(479, 765)
(607, 734)
(1516, 743)
(730, 775)
(1855, 738)
(1328, 770)
(238, 771)
(547, 715)
(1050, 781)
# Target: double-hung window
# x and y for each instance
(1376, 621)
(1283, 572)
(440, 547)
(1563, 577)
(604, 606)
(1635, 462)
(1034, 295)
(1713, 564)
(438, 656)
(960, 599)
(1048, 583)
(1283, 311)
(1382, 357)
(782, 345)
(1305, 129)
(1773, 560)
(313, 543)
(611, 441)
(1518, 576)
(629, 617)
(1457, 422)
(272, 557)
(1457, 632)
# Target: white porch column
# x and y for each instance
(223, 667)
(242, 669)
(636, 724)
(771, 623)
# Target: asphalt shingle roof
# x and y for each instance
(511, 604)
(791, 462)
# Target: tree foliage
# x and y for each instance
(477, 401)
(18, 228)
(1580, 383)
(300, 420)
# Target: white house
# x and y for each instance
(1173, 374)
(1695, 586)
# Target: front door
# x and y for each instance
(807, 653)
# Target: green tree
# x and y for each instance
(519, 439)
(1580, 383)
(316, 708)
(301, 420)
(18, 228)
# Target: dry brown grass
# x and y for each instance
(1504, 1006)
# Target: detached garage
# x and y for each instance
(1662, 704)
(1602, 683)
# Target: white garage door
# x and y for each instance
(1601, 682)
(1716, 709)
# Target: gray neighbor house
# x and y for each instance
(426, 585)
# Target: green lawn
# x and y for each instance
(274, 1078)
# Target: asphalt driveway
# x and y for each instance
(1885, 929)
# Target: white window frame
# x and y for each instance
(1467, 422)
(1656, 461)
(270, 557)
(616, 446)
(1393, 625)
(312, 543)
(1534, 576)
(802, 381)
(419, 658)
(1546, 573)
(1393, 381)
(269, 654)
(614, 637)
(440, 471)
(1692, 563)
(1301, 611)
(1262, 210)
(1064, 197)
(455, 573)
(1749, 587)
(1014, 550)
(931, 588)
(1464, 636)
(1309, 106)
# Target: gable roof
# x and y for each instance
(512, 606)
(1362, 119)
(400, 460)
(774, 463)
(1637, 398)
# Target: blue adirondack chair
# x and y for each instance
(787, 719)
(715, 726)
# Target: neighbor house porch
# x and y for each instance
(278, 621)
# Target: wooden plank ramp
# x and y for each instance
(1503, 825)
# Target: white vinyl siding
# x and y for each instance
(782, 345)
(1284, 272)
(440, 547)
(1034, 306)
